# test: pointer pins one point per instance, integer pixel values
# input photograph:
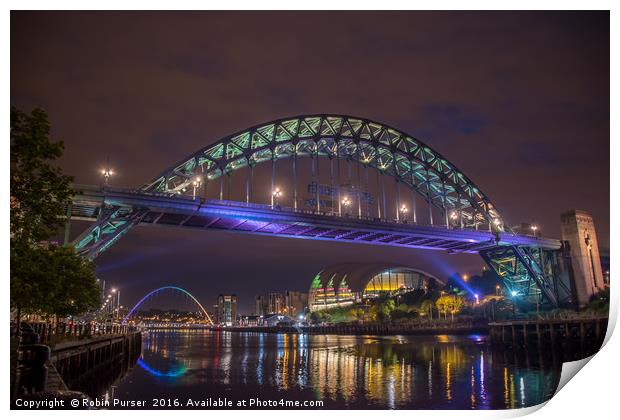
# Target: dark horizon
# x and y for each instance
(519, 101)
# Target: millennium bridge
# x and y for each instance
(429, 203)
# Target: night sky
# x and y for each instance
(518, 101)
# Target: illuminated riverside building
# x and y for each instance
(296, 303)
(346, 284)
(227, 309)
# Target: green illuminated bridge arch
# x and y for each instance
(388, 150)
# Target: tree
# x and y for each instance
(39, 191)
(44, 278)
(450, 303)
(443, 305)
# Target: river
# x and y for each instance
(205, 369)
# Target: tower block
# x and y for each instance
(578, 230)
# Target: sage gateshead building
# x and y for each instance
(345, 284)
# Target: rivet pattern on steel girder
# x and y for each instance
(373, 144)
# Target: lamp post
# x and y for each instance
(196, 183)
(346, 202)
(453, 217)
(107, 172)
(118, 302)
(403, 213)
(277, 193)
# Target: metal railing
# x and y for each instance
(49, 332)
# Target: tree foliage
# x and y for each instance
(45, 278)
(449, 303)
(39, 191)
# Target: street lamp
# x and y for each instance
(465, 278)
(107, 173)
(403, 212)
(196, 184)
(277, 193)
(346, 202)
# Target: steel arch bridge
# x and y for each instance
(152, 292)
(467, 221)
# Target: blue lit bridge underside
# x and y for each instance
(468, 221)
(130, 208)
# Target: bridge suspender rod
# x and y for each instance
(385, 215)
(228, 185)
(251, 182)
(339, 183)
(221, 184)
(273, 177)
(430, 199)
(295, 181)
(366, 194)
(397, 200)
(378, 200)
(460, 212)
(413, 203)
(359, 186)
(247, 184)
(445, 206)
(331, 180)
(318, 182)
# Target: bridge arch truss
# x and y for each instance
(153, 292)
(388, 150)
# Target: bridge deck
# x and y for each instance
(287, 222)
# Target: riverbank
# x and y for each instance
(71, 365)
(373, 329)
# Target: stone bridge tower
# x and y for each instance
(578, 230)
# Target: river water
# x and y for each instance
(413, 372)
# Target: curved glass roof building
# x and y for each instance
(345, 284)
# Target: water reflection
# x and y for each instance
(343, 371)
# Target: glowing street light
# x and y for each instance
(107, 172)
(346, 202)
(477, 299)
(277, 193)
(196, 183)
(403, 212)
(465, 277)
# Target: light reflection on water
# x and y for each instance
(343, 371)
